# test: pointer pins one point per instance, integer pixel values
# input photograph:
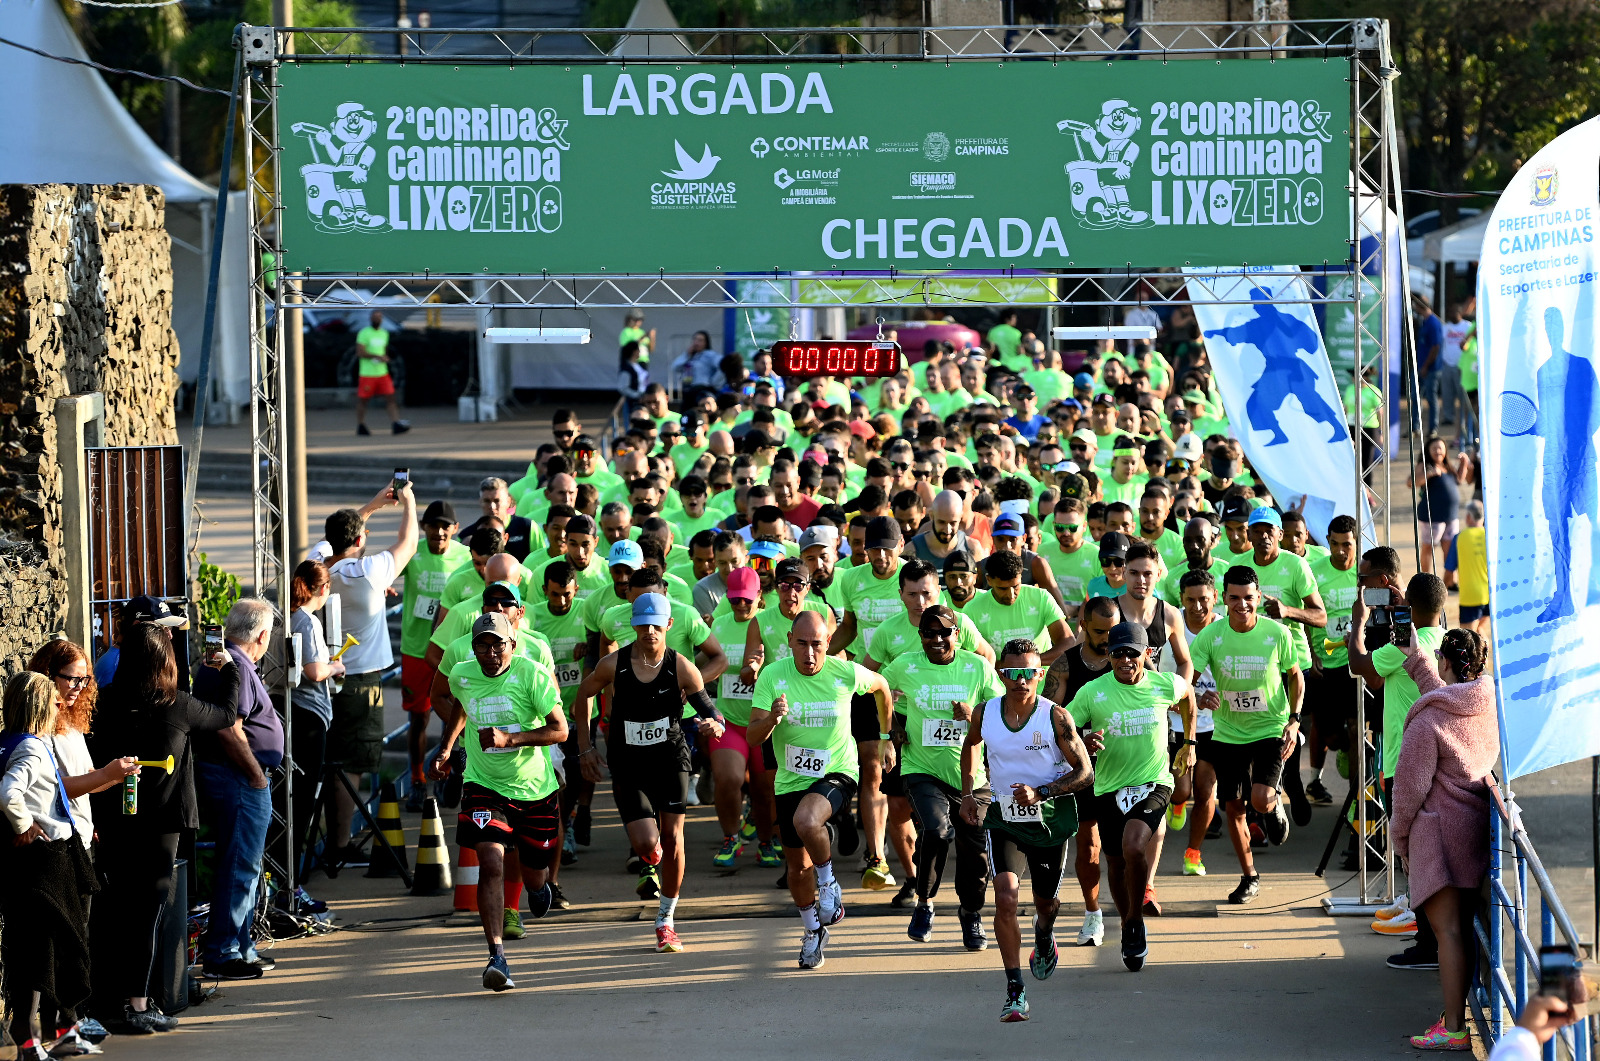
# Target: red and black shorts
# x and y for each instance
(533, 825)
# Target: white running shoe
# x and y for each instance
(811, 944)
(1401, 905)
(1093, 931)
(830, 903)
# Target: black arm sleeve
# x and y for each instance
(704, 706)
(220, 708)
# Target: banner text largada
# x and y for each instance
(914, 166)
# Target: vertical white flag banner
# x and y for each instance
(1278, 388)
(1539, 400)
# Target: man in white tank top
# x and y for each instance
(1033, 755)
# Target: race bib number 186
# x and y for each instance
(1012, 811)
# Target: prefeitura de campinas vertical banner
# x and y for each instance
(1540, 403)
(813, 166)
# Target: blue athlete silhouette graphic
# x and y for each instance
(1569, 416)
(1280, 337)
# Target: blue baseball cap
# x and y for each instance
(1264, 514)
(651, 609)
(1007, 526)
(770, 550)
(625, 554)
(1082, 379)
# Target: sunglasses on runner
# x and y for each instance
(1021, 674)
(1068, 528)
(745, 480)
(1112, 561)
(922, 473)
(566, 434)
(794, 583)
(761, 563)
(897, 466)
(1125, 653)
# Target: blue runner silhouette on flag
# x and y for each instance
(1281, 337)
(1568, 417)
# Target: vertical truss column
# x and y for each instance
(268, 436)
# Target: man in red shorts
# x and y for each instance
(372, 376)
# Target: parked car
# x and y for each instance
(914, 335)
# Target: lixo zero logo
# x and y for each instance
(1211, 162)
(342, 161)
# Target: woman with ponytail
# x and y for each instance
(1440, 819)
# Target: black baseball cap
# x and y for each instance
(146, 609)
(957, 561)
(1235, 510)
(1129, 635)
(884, 533)
(586, 443)
(441, 512)
(1103, 399)
(1114, 546)
(1074, 485)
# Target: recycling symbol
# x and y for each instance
(782, 178)
(759, 147)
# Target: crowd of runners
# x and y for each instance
(966, 615)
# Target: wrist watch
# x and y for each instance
(1294, 716)
(1191, 743)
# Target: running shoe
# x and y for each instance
(1134, 947)
(1192, 866)
(582, 824)
(363, 429)
(1258, 835)
(92, 1030)
(905, 896)
(693, 799)
(414, 801)
(1249, 887)
(1275, 823)
(1177, 815)
(1413, 958)
(649, 886)
(303, 902)
(973, 937)
(634, 865)
(539, 902)
(921, 927)
(1152, 905)
(725, 859)
(497, 974)
(705, 786)
(830, 903)
(1440, 1038)
(512, 925)
(1401, 905)
(876, 877)
(569, 849)
(667, 941)
(1093, 931)
(1317, 793)
(558, 898)
(1045, 955)
(811, 945)
(1403, 925)
(400, 427)
(150, 1019)
(747, 831)
(770, 857)
(1016, 1008)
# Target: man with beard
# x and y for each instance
(961, 580)
(944, 535)
(1199, 539)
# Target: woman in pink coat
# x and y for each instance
(1440, 818)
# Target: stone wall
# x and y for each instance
(85, 305)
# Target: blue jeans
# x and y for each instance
(239, 817)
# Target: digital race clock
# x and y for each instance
(850, 357)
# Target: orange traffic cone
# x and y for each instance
(466, 879)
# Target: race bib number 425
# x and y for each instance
(807, 762)
(943, 733)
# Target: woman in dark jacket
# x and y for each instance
(144, 710)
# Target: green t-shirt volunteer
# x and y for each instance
(813, 739)
(370, 340)
(517, 700)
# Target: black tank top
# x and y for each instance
(1079, 673)
(1155, 631)
(919, 545)
(1028, 557)
(636, 703)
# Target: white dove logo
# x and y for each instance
(691, 168)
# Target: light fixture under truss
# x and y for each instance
(536, 335)
(1121, 331)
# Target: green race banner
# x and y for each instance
(813, 167)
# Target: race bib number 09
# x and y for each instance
(1012, 811)
(642, 734)
(734, 689)
(807, 762)
(1246, 702)
(568, 674)
(943, 733)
